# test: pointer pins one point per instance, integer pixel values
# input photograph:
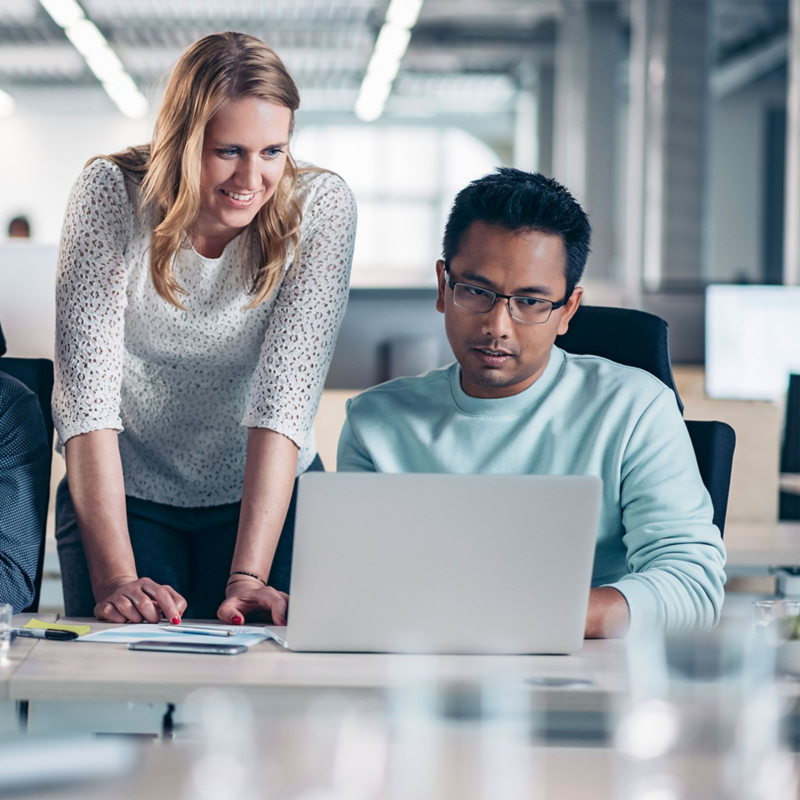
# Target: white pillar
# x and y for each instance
(666, 143)
(637, 128)
(526, 123)
(588, 54)
(791, 246)
(571, 91)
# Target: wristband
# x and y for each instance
(249, 575)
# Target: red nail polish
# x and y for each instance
(237, 620)
(176, 620)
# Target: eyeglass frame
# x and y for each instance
(554, 306)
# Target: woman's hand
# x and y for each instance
(139, 600)
(246, 595)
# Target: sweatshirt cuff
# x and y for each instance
(644, 606)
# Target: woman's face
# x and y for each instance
(245, 148)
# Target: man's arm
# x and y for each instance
(608, 616)
(24, 459)
(351, 455)
(675, 555)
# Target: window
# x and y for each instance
(404, 180)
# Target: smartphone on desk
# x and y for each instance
(190, 647)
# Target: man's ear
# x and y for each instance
(442, 285)
(569, 310)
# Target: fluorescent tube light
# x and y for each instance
(390, 47)
(403, 13)
(122, 90)
(7, 104)
(100, 58)
(65, 13)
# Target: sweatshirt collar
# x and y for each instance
(507, 406)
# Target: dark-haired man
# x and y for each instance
(515, 247)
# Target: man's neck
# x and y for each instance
(489, 392)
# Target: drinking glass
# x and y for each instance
(703, 718)
(776, 619)
(6, 614)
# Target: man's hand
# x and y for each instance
(246, 595)
(130, 599)
(608, 616)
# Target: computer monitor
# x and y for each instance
(752, 341)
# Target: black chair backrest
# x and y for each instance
(638, 339)
(37, 375)
(629, 337)
(790, 450)
(714, 443)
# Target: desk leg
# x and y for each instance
(168, 723)
(22, 716)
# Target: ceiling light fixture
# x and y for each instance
(7, 104)
(390, 47)
(99, 56)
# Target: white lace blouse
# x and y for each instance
(182, 387)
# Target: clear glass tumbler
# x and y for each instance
(777, 620)
(6, 615)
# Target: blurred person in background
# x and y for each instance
(201, 282)
(24, 469)
(19, 228)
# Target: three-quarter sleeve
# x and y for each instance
(305, 318)
(90, 302)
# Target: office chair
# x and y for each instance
(37, 375)
(638, 339)
(789, 508)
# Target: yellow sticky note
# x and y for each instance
(79, 629)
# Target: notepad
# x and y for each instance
(81, 630)
(146, 632)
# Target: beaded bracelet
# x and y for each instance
(249, 575)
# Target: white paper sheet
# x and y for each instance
(146, 632)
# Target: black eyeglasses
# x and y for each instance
(530, 310)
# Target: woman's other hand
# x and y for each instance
(140, 600)
(247, 595)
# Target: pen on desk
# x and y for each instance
(46, 633)
(196, 629)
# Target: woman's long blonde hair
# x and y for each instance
(214, 70)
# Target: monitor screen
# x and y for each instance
(752, 341)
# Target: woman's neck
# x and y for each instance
(212, 245)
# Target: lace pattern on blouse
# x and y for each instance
(182, 387)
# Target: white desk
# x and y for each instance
(76, 674)
(88, 671)
(551, 773)
(557, 774)
(20, 650)
(762, 544)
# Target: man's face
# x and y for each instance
(500, 356)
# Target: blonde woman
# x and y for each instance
(202, 280)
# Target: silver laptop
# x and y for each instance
(417, 563)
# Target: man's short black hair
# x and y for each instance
(522, 201)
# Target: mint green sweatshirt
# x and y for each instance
(656, 542)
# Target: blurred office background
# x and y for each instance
(674, 122)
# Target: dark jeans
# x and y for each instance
(190, 549)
